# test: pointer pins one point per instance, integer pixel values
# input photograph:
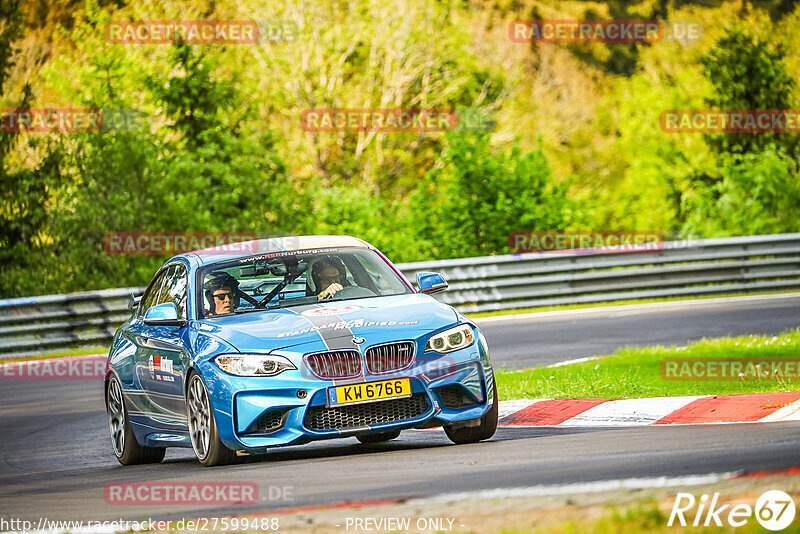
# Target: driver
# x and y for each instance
(222, 293)
(329, 276)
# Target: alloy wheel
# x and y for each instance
(116, 417)
(199, 416)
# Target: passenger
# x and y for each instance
(222, 294)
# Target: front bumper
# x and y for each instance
(254, 413)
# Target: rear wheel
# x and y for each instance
(126, 448)
(378, 438)
(484, 430)
(203, 428)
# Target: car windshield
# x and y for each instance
(283, 279)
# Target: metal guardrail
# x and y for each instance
(683, 268)
(41, 324)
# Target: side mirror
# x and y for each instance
(133, 303)
(430, 283)
(165, 314)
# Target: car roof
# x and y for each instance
(245, 249)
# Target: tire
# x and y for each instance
(123, 441)
(207, 446)
(474, 434)
(378, 438)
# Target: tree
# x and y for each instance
(616, 58)
(753, 188)
(747, 74)
(198, 169)
(23, 194)
(192, 99)
(476, 196)
(758, 193)
(384, 56)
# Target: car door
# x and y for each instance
(141, 409)
(165, 355)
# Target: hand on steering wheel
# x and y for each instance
(330, 291)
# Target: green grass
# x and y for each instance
(539, 309)
(640, 518)
(632, 373)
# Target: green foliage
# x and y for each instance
(395, 54)
(575, 141)
(22, 192)
(353, 211)
(469, 204)
(107, 183)
(190, 97)
(754, 186)
(203, 173)
(757, 194)
(9, 32)
(23, 214)
(747, 73)
(615, 58)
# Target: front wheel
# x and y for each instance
(485, 429)
(126, 448)
(203, 427)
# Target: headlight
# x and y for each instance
(253, 364)
(452, 339)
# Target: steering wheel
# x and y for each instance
(352, 292)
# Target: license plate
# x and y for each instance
(369, 392)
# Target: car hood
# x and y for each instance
(321, 326)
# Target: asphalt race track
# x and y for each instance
(56, 458)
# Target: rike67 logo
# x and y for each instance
(774, 510)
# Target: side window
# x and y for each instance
(174, 289)
(382, 285)
(150, 299)
(163, 295)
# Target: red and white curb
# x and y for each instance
(750, 408)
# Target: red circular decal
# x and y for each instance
(330, 310)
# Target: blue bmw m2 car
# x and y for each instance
(234, 350)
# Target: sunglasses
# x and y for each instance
(223, 296)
